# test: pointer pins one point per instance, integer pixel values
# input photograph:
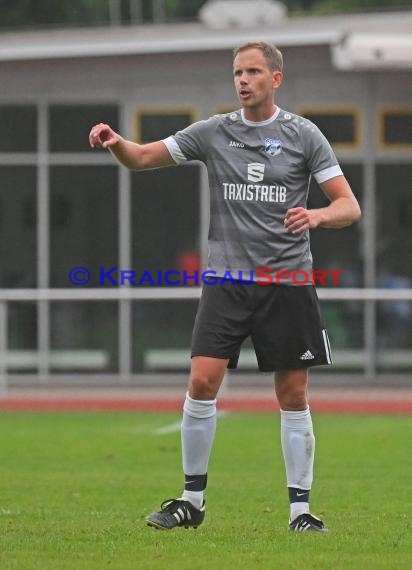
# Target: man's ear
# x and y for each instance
(277, 78)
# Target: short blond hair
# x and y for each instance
(272, 54)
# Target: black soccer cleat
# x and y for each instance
(307, 522)
(176, 512)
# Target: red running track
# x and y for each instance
(331, 406)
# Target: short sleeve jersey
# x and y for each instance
(257, 171)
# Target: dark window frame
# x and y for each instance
(160, 112)
(110, 113)
(30, 148)
(383, 113)
(311, 111)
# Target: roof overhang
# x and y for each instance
(367, 41)
(366, 51)
(142, 40)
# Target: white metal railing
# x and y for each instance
(145, 294)
(170, 293)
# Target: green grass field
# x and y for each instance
(75, 489)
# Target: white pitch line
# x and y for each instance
(175, 426)
(171, 428)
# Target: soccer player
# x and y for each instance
(259, 160)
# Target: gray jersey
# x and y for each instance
(257, 171)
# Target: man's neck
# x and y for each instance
(258, 115)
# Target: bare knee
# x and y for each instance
(202, 388)
(206, 377)
(291, 389)
(293, 401)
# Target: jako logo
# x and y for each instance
(237, 144)
(255, 171)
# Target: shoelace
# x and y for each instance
(170, 504)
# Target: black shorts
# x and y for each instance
(283, 321)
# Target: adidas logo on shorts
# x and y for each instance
(306, 356)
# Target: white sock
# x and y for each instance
(195, 497)
(198, 433)
(297, 509)
(298, 445)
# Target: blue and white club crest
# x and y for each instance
(273, 146)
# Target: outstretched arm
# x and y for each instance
(132, 155)
(342, 211)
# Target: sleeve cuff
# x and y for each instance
(174, 150)
(327, 173)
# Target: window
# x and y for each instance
(393, 223)
(83, 233)
(156, 125)
(18, 241)
(83, 336)
(161, 335)
(83, 221)
(165, 222)
(165, 217)
(18, 252)
(69, 125)
(340, 126)
(341, 250)
(395, 127)
(394, 270)
(18, 128)
(22, 336)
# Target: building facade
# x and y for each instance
(64, 206)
